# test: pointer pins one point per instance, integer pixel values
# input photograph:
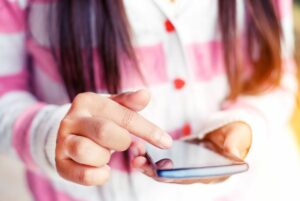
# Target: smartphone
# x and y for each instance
(193, 159)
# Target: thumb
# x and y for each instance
(238, 142)
(135, 101)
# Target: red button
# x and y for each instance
(179, 83)
(169, 26)
(186, 129)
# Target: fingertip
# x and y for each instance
(231, 149)
(144, 93)
(165, 164)
(101, 176)
(162, 140)
(137, 149)
(236, 152)
(141, 148)
(139, 162)
(232, 145)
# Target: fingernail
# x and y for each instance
(236, 152)
(164, 139)
(163, 163)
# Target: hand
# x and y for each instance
(94, 127)
(234, 138)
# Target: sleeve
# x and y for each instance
(272, 110)
(28, 127)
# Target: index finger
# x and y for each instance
(136, 124)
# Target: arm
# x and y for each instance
(21, 114)
(76, 140)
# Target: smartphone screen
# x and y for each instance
(194, 159)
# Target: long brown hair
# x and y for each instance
(78, 33)
(263, 46)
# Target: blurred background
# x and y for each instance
(12, 182)
(296, 117)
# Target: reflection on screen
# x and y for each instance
(187, 155)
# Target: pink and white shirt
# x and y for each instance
(179, 50)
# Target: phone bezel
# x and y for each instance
(204, 172)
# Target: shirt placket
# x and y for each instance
(176, 59)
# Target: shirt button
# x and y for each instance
(169, 26)
(179, 83)
(186, 129)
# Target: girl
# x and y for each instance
(222, 70)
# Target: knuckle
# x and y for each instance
(78, 149)
(65, 123)
(79, 98)
(103, 128)
(128, 116)
(103, 103)
(96, 126)
(83, 98)
(88, 100)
